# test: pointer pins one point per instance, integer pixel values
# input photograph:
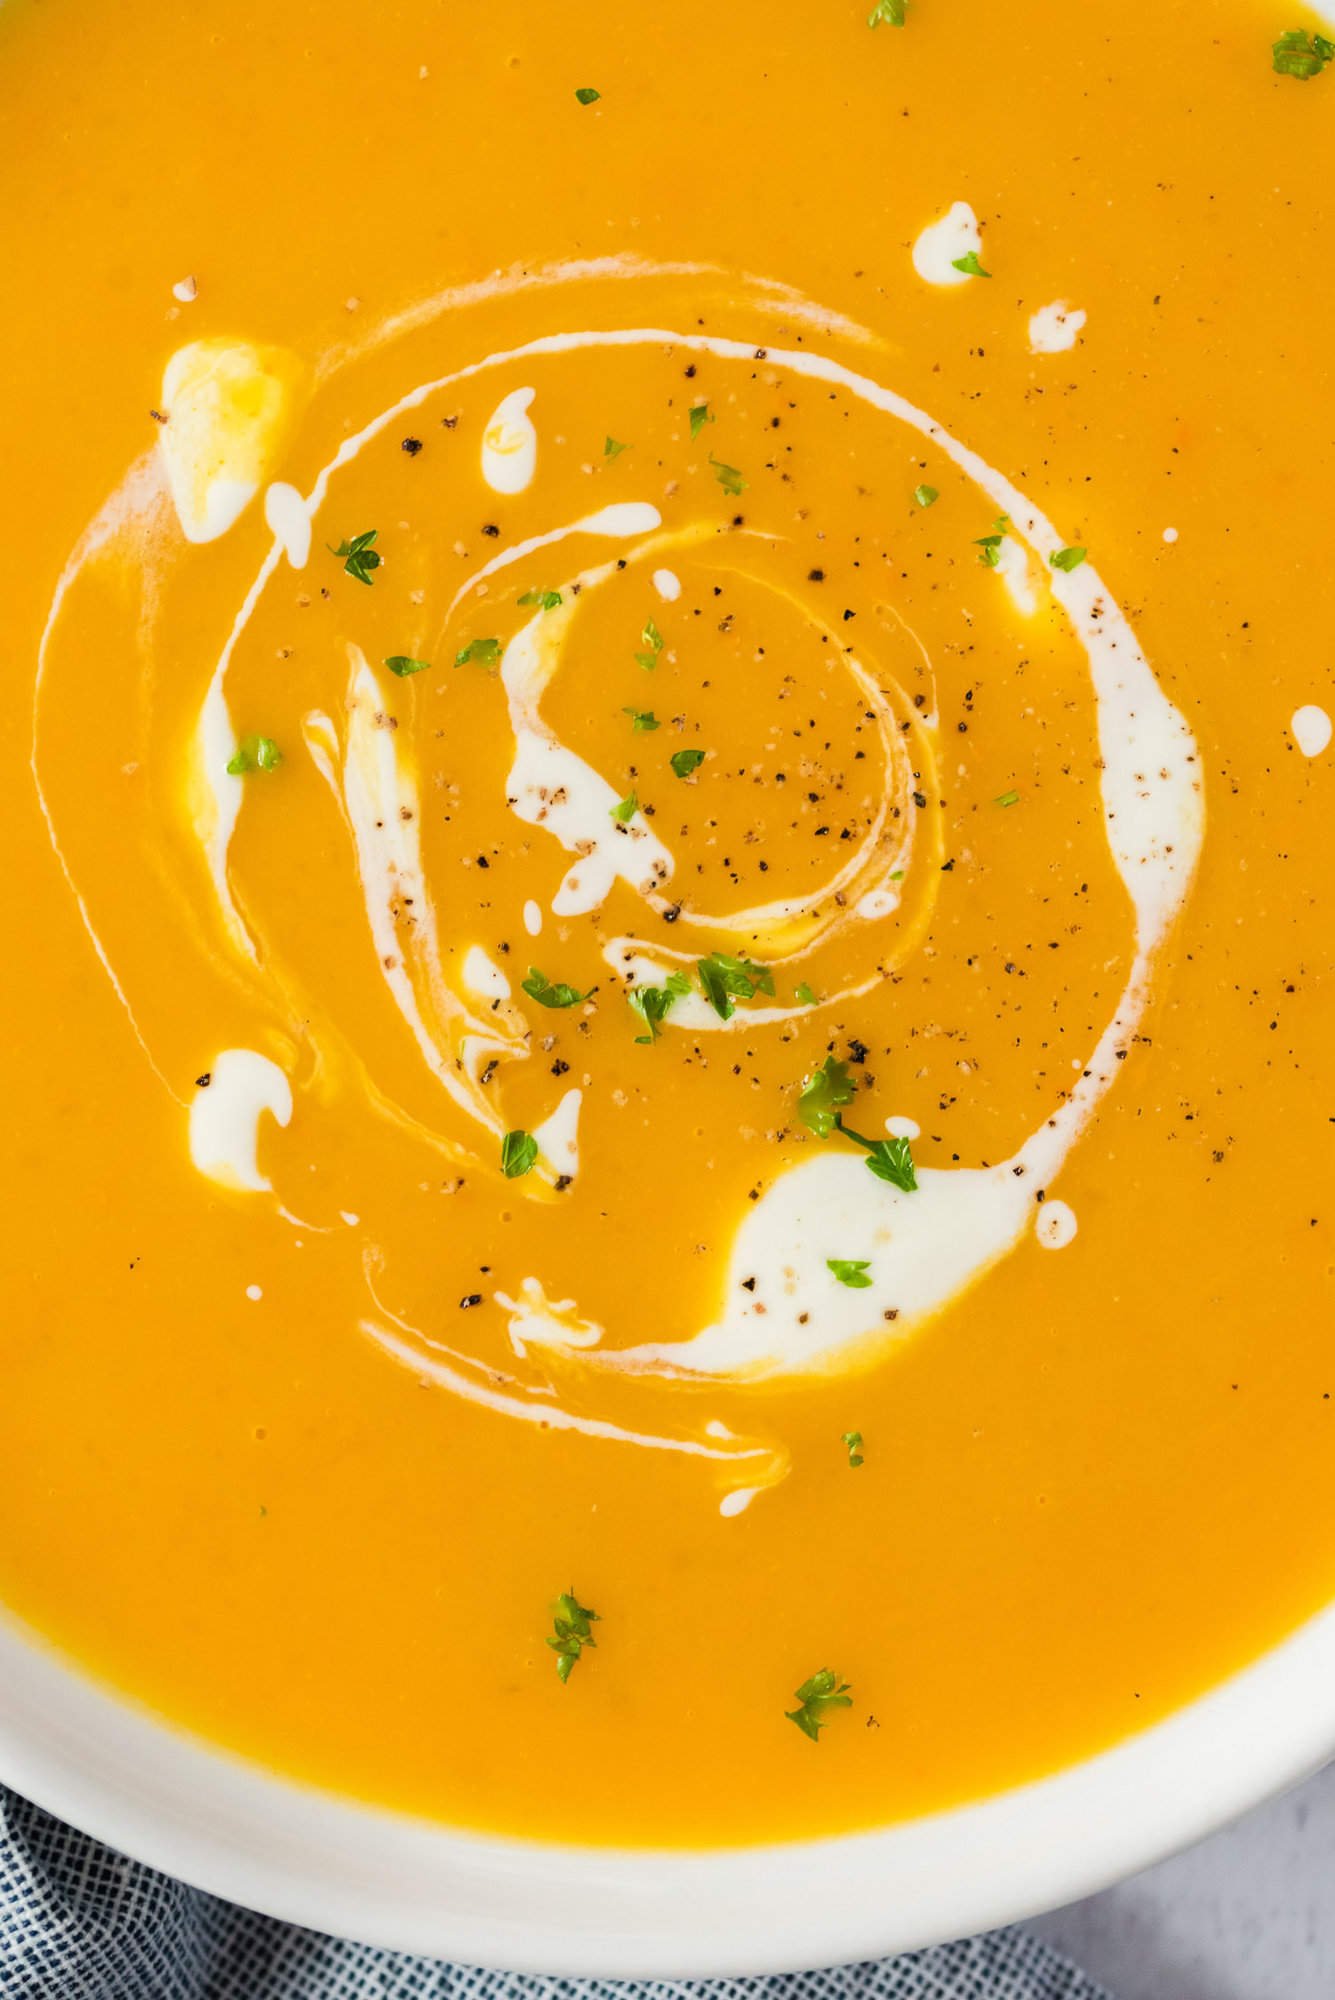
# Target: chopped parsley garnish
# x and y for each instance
(625, 809)
(1301, 55)
(970, 265)
(519, 1154)
(890, 11)
(850, 1271)
(613, 448)
(889, 1159)
(728, 477)
(1010, 798)
(989, 546)
(548, 992)
(651, 1003)
(724, 979)
(701, 414)
(806, 996)
(1067, 559)
(586, 94)
(255, 753)
(819, 1697)
(820, 1105)
(357, 555)
(479, 652)
(403, 665)
(683, 762)
(651, 639)
(641, 718)
(926, 496)
(853, 1439)
(822, 1095)
(572, 1622)
(546, 600)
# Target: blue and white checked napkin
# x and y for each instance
(79, 1922)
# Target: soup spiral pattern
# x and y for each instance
(446, 677)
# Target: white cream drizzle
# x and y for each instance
(952, 235)
(1056, 328)
(483, 975)
(533, 917)
(225, 1117)
(667, 585)
(550, 786)
(558, 1136)
(1013, 567)
(288, 519)
(510, 444)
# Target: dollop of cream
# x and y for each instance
(1311, 729)
(510, 444)
(953, 235)
(229, 406)
(225, 1117)
(1055, 328)
(667, 584)
(1055, 1225)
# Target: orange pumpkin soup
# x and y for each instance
(667, 812)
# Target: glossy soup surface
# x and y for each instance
(847, 608)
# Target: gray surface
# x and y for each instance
(1247, 1915)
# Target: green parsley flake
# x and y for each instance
(851, 1271)
(889, 1159)
(357, 556)
(823, 1094)
(519, 1154)
(641, 718)
(820, 1106)
(586, 94)
(926, 496)
(853, 1439)
(1067, 559)
(651, 639)
(479, 652)
(806, 996)
(724, 979)
(625, 809)
(683, 762)
(613, 448)
(254, 753)
(701, 414)
(989, 546)
(892, 12)
(1301, 55)
(970, 265)
(571, 1622)
(403, 664)
(1010, 798)
(651, 1003)
(819, 1697)
(549, 993)
(546, 600)
(728, 477)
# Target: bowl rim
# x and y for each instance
(233, 1829)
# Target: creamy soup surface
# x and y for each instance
(667, 802)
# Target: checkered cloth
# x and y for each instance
(80, 1922)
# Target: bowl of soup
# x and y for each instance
(668, 1044)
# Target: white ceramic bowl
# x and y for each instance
(229, 1827)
